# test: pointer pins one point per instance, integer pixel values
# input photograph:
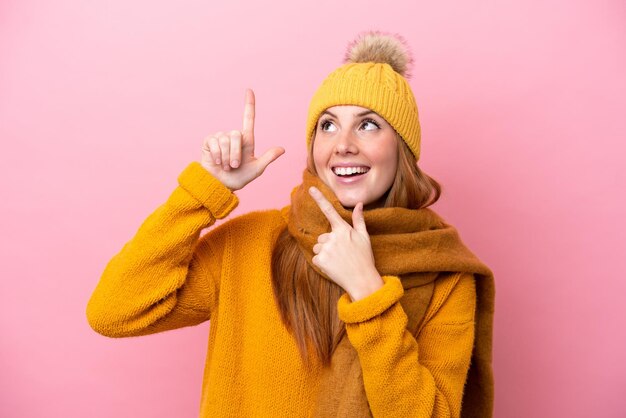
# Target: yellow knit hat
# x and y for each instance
(374, 76)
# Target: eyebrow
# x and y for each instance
(367, 112)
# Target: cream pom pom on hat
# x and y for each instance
(374, 75)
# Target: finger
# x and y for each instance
(267, 158)
(248, 119)
(224, 142)
(206, 150)
(327, 208)
(317, 248)
(318, 261)
(235, 148)
(214, 147)
(358, 220)
(323, 238)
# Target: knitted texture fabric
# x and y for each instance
(411, 244)
(168, 276)
(375, 86)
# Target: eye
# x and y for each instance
(373, 125)
(326, 125)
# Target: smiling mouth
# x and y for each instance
(350, 171)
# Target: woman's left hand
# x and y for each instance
(345, 254)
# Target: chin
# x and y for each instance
(348, 206)
(351, 202)
(347, 202)
(368, 203)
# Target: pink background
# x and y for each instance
(102, 104)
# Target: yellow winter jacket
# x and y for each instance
(168, 276)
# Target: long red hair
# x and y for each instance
(307, 301)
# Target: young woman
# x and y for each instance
(355, 300)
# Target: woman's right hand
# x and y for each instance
(229, 156)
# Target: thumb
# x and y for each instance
(358, 221)
(270, 155)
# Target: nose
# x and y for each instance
(346, 143)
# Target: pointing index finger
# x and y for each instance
(327, 208)
(248, 117)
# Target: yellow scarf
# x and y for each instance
(418, 246)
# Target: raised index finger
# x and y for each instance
(327, 208)
(248, 117)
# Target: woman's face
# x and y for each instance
(355, 154)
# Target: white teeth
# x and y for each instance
(344, 171)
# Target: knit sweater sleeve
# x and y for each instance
(165, 277)
(408, 376)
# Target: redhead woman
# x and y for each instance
(356, 300)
